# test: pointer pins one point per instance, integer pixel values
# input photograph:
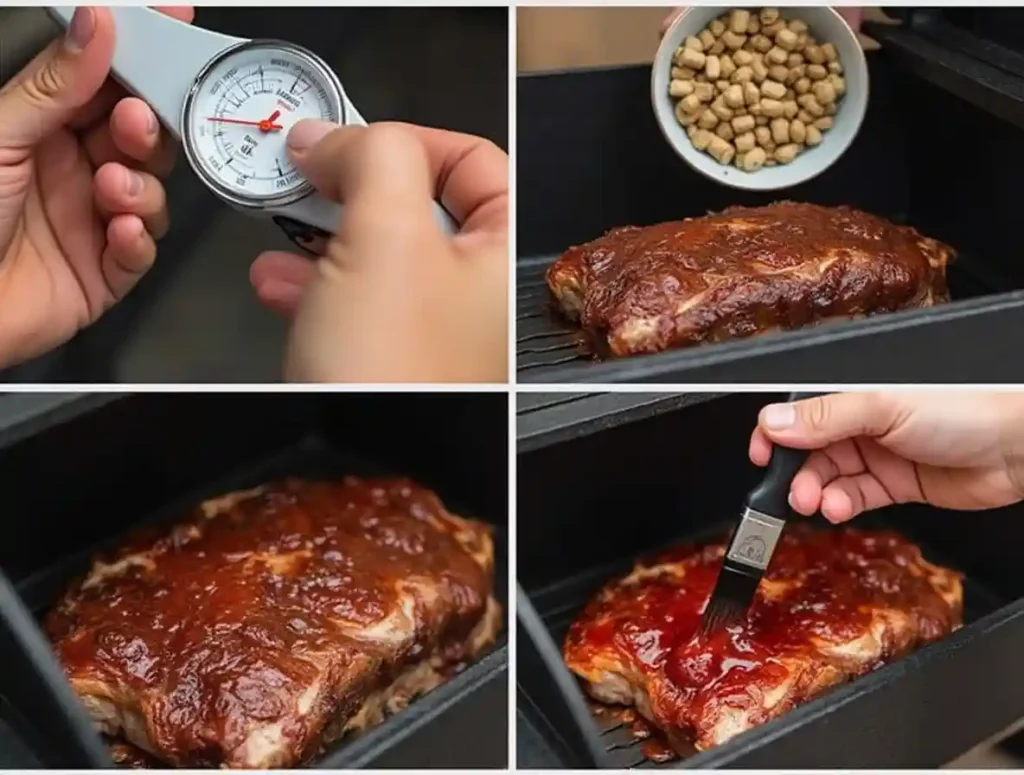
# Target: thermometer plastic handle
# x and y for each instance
(445, 220)
(326, 215)
(156, 57)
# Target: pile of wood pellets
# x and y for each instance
(754, 89)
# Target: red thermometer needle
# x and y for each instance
(267, 125)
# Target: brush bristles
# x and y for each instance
(720, 613)
(733, 594)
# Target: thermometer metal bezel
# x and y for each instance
(255, 201)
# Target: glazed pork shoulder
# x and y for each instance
(743, 272)
(272, 622)
(834, 605)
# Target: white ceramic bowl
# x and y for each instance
(827, 26)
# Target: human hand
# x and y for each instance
(81, 202)
(395, 299)
(957, 451)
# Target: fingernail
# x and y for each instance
(830, 505)
(81, 29)
(778, 417)
(133, 183)
(281, 290)
(152, 125)
(308, 133)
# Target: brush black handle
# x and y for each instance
(771, 496)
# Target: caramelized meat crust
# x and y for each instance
(835, 604)
(743, 272)
(273, 621)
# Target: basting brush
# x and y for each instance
(753, 541)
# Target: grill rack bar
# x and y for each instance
(542, 338)
(623, 747)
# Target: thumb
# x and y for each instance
(668, 20)
(817, 422)
(59, 81)
(381, 173)
(852, 16)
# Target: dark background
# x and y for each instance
(194, 318)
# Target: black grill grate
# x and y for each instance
(558, 606)
(543, 340)
(624, 749)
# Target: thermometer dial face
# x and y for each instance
(238, 114)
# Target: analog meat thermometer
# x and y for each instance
(231, 101)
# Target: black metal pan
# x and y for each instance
(591, 157)
(460, 724)
(609, 493)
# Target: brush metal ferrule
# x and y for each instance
(754, 542)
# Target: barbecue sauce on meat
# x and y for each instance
(227, 621)
(742, 272)
(822, 584)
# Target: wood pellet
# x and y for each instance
(755, 89)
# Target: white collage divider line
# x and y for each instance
(764, 387)
(513, 73)
(511, 622)
(511, 388)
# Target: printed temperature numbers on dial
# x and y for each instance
(240, 114)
